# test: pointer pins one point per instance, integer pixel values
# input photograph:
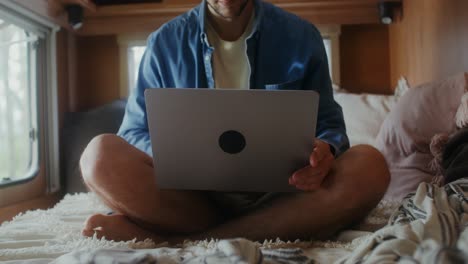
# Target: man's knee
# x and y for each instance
(96, 159)
(363, 177)
(374, 166)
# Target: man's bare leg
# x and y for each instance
(123, 177)
(355, 185)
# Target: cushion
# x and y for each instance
(406, 133)
(79, 129)
(364, 114)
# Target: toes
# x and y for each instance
(93, 225)
(87, 233)
(94, 221)
(115, 227)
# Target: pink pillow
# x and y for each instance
(407, 131)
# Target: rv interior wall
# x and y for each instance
(45, 8)
(431, 41)
(365, 65)
(428, 43)
(63, 71)
(97, 72)
(365, 62)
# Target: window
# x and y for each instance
(135, 53)
(18, 103)
(131, 47)
(331, 40)
(328, 50)
(29, 158)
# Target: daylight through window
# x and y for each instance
(18, 100)
(135, 54)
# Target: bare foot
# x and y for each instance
(117, 227)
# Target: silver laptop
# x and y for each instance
(230, 140)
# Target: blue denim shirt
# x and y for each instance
(284, 52)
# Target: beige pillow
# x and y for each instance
(407, 131)
(364, 115)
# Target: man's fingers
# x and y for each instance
(308, 187)
(311, 177)
(320, 151)
(305, 176)
(314, 158)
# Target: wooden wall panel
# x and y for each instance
(42, 202)
(91, 63)
(364, 51)
(63, 72)
(72, 71)
(430, 42)
(97, 72)
(365, 63)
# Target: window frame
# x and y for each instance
(125, 42)
(47, 178)
(332, 33)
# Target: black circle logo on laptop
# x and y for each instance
(232, 142)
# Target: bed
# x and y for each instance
(427, 226)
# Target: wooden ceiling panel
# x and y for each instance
(122, 2)
(146, 17)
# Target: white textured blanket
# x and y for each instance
(430, 226)
(45, 235)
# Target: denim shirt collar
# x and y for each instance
(202, 12)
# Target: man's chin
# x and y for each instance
(228, 15)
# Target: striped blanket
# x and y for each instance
(430, 226)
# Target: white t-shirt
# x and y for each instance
(231, 67)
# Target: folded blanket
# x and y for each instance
(455, 157)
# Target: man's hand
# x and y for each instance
(311, 177)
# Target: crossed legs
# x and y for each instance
(123, 177)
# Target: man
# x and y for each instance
(232, 44)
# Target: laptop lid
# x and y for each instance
(230, 140)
